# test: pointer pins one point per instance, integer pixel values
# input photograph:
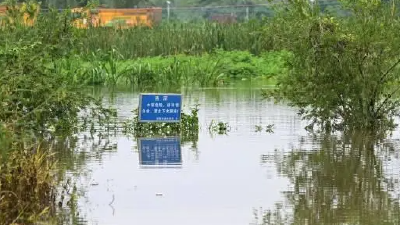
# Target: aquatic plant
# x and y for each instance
(270, 128)
(214, 69)
(187, 128)
(219, 127)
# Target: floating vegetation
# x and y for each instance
(270, 128)
(258, 128)
(219, 127)
(187, 129)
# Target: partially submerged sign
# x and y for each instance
(160, 151)
(160, 107)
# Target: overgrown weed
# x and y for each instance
(219, 127)
(187, 128)
(214, 69)
(27, 186)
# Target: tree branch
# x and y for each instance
(389, 70)
(386, 99)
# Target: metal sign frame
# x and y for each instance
(160, 121)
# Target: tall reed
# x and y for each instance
(27, 187)
(171, 39)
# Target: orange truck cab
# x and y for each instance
(121, 18)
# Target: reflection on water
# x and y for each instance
(342, 181)
(222, 179)
(160, 152)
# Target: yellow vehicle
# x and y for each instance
(121, 18)
(26, 13)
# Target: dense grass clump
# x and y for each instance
(172, 39)
(213, 69)
(27, 187)
(187, 129)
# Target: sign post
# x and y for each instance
(160, 151)
(164, 108)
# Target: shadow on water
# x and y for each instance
(344, 181)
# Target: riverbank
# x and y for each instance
(209, 69)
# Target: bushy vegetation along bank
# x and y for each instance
(37, 106)
(213, 69)
(46, 67)
(176, 38)
(345, 71)
(342, 74)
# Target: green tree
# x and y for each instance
(36, 99)
(38, 104)
(344, 70)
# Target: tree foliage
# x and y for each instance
(344, 72)
(35, 98)
(37, 105)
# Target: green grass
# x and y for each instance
(207, 70)
(174, 38)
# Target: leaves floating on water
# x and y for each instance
(270, 128)
(219, 127)
(258, 128)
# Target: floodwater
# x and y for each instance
(239, 177)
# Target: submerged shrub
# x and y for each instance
(344, 70)
(188, 128)
(219, 127)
